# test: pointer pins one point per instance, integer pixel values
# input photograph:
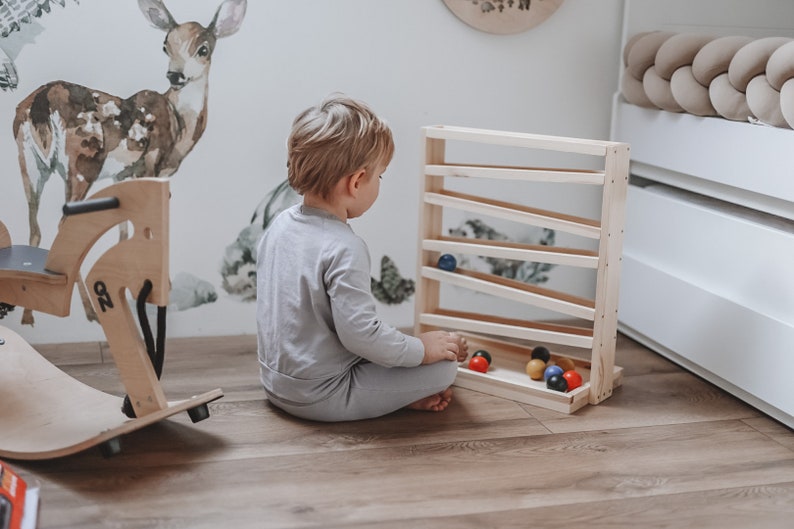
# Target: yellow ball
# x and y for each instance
(566, 364)
(535, 368)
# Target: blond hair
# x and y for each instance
(335, 139)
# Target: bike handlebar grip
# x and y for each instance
(90, 205)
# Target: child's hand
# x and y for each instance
(443, 345)
(463, 346)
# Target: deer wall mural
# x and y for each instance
(84, 134)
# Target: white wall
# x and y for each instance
(413, 61)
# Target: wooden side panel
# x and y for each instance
(610, 252)
(427, 291)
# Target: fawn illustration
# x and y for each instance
(85, 134)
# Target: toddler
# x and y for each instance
(324, 353)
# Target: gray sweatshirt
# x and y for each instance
(316, 315)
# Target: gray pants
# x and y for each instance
(374, 391)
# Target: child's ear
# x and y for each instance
(356, 180)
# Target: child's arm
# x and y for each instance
(443, 345)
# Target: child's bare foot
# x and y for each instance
(437, 402)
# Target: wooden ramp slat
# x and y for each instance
(531, 331)
(514, 291)
(516, 213)
(525, 174)
(519, 139)
(516, 251)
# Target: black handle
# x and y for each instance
(90, 205)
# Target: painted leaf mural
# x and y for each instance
(525, 271)
(238, 268)
(392, 288)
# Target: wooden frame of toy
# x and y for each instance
(511, 341)
(45, 412)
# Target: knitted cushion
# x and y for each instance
(764, 101)
(751, 60)
(715, 56)
(780, 66)
(692, 96)
(677, 51)
(658, 91)
(642, 54)
(728, 102)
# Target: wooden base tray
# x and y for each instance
(507, 377)
(45, 413)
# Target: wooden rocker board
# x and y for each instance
(45, 413)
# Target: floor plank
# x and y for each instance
(644, 400)
(62, 354)
(736, 508)
(441, 479)
(666, 450)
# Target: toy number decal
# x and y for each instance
(103, 296)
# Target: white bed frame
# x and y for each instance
(708, 269)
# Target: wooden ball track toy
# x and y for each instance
(455, 158)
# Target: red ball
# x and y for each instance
(574, 379)
(478, 363)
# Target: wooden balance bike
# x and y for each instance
(45, 413)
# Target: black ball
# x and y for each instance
(541, 353)
(485, 354)
(557, 383)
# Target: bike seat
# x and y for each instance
(27, 263)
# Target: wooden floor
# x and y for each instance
(666, 450)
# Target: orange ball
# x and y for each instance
(478, 363)
(535, 368)
(574, 379)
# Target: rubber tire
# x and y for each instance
(199, 413)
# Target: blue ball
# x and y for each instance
(551, 371)
(447, 262)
